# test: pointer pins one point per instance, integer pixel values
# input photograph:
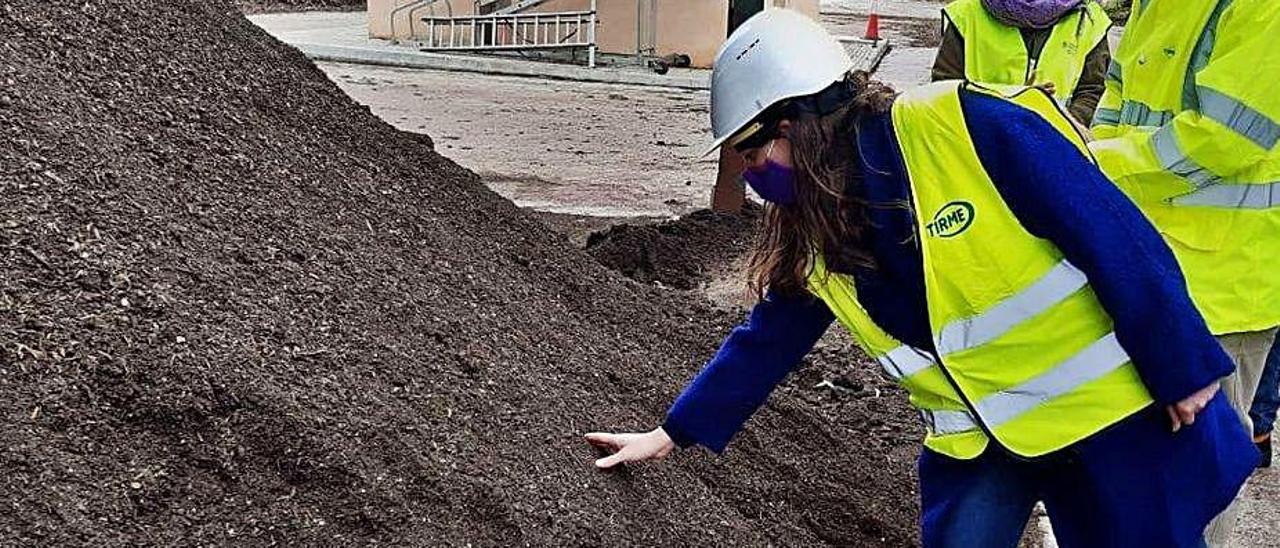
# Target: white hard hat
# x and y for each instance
(778, 54)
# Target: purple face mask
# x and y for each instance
(1030, 14)
(775, 183)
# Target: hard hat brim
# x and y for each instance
(732, 138)
(715, 145)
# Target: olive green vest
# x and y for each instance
(995, 52)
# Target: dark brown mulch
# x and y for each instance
(238, 309)
(683, 253)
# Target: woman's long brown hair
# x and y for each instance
(826, 219)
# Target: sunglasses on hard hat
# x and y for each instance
(754, 136)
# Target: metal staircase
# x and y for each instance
(508, 28)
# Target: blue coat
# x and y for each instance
(1059, 196)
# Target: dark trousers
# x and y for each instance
(1267, 399)
(1135, 484)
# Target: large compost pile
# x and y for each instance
(236, 308)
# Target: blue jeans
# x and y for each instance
(1134, 484)
(1267, 399)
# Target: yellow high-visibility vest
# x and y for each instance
(995, 52)
(1024, 351)
(1188, 128)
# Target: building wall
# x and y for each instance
(692, 27)
(383, 16)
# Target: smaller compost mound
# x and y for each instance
(686, 253)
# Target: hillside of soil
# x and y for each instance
(238, 309)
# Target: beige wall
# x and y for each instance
(807, 7)
(693, 27)
(381, 12)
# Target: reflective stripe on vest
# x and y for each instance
(1173, 160)
(1233, 196)
(1201, 54)
(945, 423)
(1242, 119)
(1115, 72)
(1239, 118)
(1055, 286)
(1133, 113)
(904, 361)
(1106, 117)
(1096, 360)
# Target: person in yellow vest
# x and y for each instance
(964, 237)
(1188, 128)
(1057, 44)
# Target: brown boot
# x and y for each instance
(1263, 443)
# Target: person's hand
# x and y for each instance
(651, 445)
(1184, 412)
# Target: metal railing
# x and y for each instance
(513, 32)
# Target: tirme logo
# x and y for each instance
(951, 220)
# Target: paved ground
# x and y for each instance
(1259, 524)
(925, 9)
(565, 147)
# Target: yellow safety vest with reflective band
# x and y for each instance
(1027, 353)
(1188, 128)
(995, 52)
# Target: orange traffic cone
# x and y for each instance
(873, 23)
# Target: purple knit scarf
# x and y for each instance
(1033, 14)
